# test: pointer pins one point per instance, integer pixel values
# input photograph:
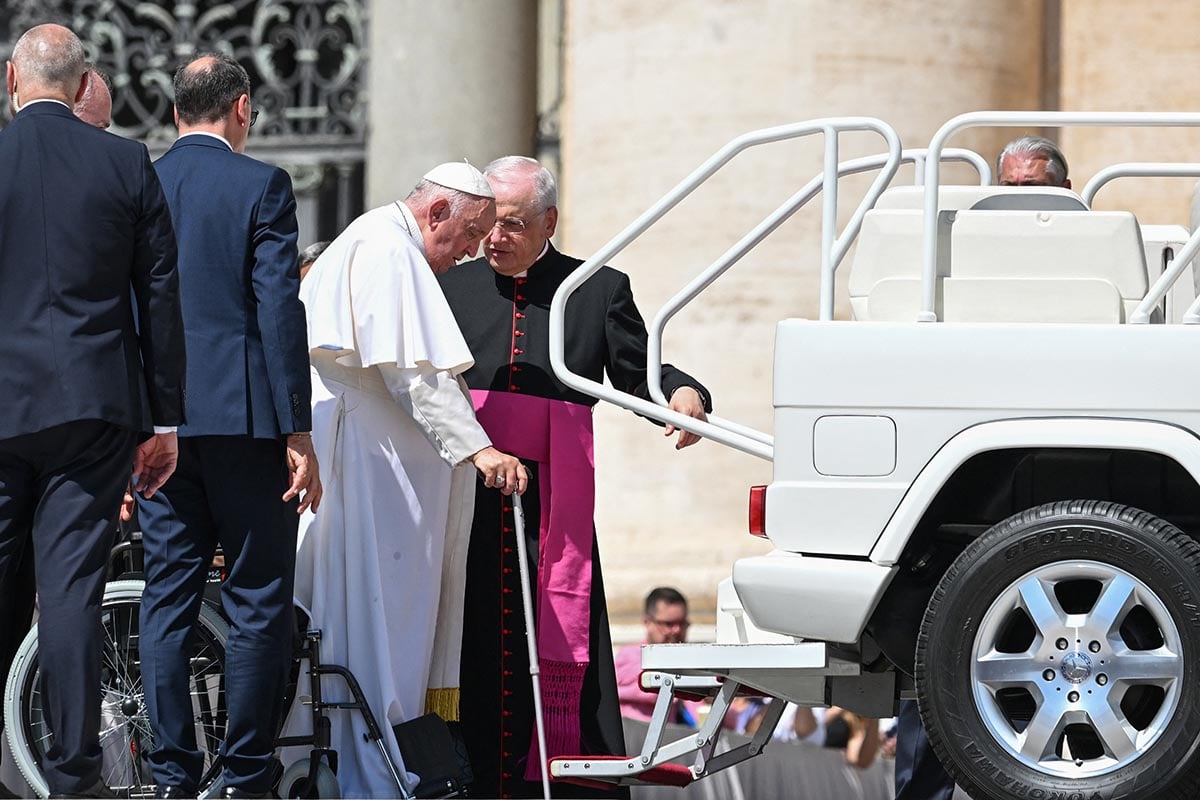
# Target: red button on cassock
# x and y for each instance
(521, 298)
(517, 351)
(519, 333)
(519, 315)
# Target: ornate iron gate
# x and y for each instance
(307, 64)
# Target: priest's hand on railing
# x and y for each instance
(500, 470)
(686, 400)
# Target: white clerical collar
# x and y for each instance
(409, 221)
(43, 100)
(545, 249)
(216, 136)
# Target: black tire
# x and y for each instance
(1005, 729)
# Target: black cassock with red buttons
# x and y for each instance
(506, 323)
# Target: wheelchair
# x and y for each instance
(126, 738)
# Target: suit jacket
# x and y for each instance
(235, 219)
(82, 222)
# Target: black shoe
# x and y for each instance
(99, 790)
(176, 792)
(235, 792)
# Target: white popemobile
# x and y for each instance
(988, 482)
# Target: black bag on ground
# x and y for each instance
(432, 751)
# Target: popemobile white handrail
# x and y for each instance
(1010, 119)
(832, 247)
(764, 229)
(1138, 169)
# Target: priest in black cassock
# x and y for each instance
(502, 305)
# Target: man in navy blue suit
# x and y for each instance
(246, 462)
(84, 235)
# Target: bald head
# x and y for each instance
(47, 62)
(95, 107)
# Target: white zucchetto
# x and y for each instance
(462, 177)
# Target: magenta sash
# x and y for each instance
(558, 436)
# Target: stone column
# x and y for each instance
(1131, 57)
(651, 90)
(448, 80)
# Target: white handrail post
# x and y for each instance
(918, 160)
(933, 158)
(829, 223)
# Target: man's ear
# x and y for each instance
(242, 107)
(176, 110)
(439, 212)
(83, 86)
(551, 221)
(10, 78)
(1066, 183)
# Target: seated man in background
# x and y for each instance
(666, 622)
(1032, 161)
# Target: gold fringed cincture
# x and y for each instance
(443, 702)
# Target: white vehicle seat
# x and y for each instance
(1064, 264)
(1162, 242)
(984, 198)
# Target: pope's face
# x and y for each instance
(453, 237)
(522, 229)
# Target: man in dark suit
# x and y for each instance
(245, 454)
(82, 222)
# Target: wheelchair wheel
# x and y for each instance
(125, 736)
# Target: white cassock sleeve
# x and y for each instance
(439, 404)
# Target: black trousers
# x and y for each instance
(226, 490)
(919, 773)
(60, 490)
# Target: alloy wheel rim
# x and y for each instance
(1077, 668)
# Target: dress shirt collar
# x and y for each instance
(216, 136)
(43, 100)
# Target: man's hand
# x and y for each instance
(127, 503)
(154, 461)
(686, 400)
(306, 475)
(501, 470)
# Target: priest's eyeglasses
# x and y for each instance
(511, 225)
(514, 225)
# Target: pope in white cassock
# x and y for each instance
(391, 421)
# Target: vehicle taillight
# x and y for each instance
(758, 511)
